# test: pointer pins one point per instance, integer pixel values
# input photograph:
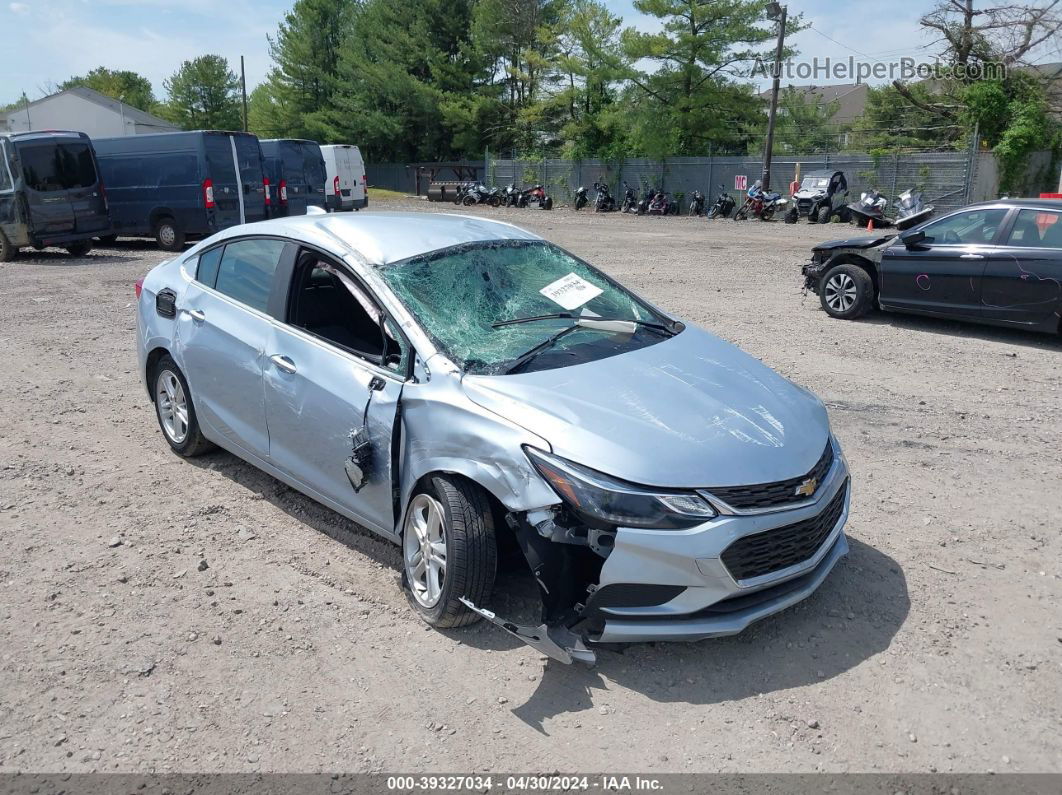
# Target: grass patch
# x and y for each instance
(382, 194)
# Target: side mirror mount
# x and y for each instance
(912, 239)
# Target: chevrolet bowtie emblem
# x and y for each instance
(807, 488)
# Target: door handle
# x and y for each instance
(972, 256)
(282, 363)
(196, 314)
(376, 384)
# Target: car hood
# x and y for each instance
(691, 411)
(869, 241)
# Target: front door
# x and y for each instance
(1024, 285)
(943, 273)
(223, 332)
(333, 379)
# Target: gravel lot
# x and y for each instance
(937, 646)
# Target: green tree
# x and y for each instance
(204, 94)
(128, 87)
(692, 97)
(804, 125)
(294, 100)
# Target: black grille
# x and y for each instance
(772, 550)
(769, 495)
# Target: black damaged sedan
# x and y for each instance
(998, 262)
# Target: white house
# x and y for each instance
(85, 110)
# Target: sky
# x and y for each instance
(43, 42)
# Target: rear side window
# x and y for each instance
(53, 167)
(207, 269)
(246, 270)
(1036, 229)
(6, 178)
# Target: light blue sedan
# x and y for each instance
(459, 385)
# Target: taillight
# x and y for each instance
(362, 179)
(265, 184)
(139, 287)
(208, 193)
(335, 185)
(283, 192)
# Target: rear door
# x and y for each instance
(47, 203)
(221, 171)
(943, 274)
(294, 176)
(248, 156)
(1022, 285)
(223, 329)
(351, 177)
(86, 196)
(314, 170)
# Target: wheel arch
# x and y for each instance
(848, 258)
(153, 358)
(159, 213)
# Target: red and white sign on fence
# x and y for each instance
(741, 182)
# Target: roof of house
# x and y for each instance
(128, 111)
(851, 98)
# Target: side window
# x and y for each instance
(207, 269)
(246, 271)
(971, 228)
(1037, 228)
(329, 303)
(5, 172)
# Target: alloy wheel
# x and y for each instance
(172, 406)
(840, 292)
(424, 549)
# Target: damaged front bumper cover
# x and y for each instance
(671, 586)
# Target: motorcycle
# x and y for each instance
(723, 206)
(696, 203)
(481, 194)
(510, 196)
(630, 200)
(604, 202)
(580, 198)
(536, 194)
(760, 203)
(658, 202)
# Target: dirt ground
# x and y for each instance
(936, 646)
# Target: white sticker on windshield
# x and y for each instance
(571, 291)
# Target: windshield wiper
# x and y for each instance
(668, 329)
(581, 321)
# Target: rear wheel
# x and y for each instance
(768, 213)
(547, 203)
(448, 551)
(174, 410)
(168, 235)
(108, 240)
(846, 291)
(7, 251)
(79, 248)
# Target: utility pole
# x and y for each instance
(776, 12)
(243, 88)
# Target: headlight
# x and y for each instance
(601, 499)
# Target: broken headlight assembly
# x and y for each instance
(602, 500)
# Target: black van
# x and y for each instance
(296, 172)
(50, 193)
(172, 186)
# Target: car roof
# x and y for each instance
(383, 238)
(1047, 204)
(822, 173)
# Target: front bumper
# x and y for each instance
(709, 601)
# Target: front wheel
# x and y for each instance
(80, 248)
(7, 251)
(824, 215)
(791, 216)
(846, 291)
(448, 551)
(468, 201)
(495, 201)
(547, 203)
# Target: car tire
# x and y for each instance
(169, 392)
(823, 216)
(547, 203)
(168, 235)
(79, 248)
(791, 216)
(7, 251)
(455, 514)
(846, 291)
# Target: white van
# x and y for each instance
(346, 187)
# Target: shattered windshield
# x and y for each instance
(461, 294)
